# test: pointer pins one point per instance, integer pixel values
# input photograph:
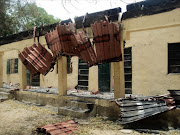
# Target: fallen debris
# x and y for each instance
(48, 90)
(95, 92)
(176, 95)
(99, 95)
(148, 131)
(126, 131)
(10, 86)
(61, 128)
(27, 117)
(134, 109)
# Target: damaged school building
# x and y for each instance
(150, 66)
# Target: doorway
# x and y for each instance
(35, 81)
(104, 77)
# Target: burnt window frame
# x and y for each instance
(174, 58)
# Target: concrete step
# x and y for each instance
(80, 104)
(5, 90)
(2, 99)
(73, 112)
(77, 108)
(6, 95)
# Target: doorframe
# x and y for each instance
(110, 85)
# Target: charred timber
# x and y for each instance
(112, 14)
(149, 7)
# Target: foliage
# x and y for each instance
(5, 28)
(16, 16)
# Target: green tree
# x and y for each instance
(22, 15)
(5, 21)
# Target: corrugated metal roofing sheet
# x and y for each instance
(135, 109)
(107, 41)
(176, 95)
(64, 41)
(84, 47)
(61, 128)
(53, 42)
(37, 59)
(23, 55)
(65, 32)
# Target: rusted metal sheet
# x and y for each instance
(53, 43)
(37, 59)
(64, 41)
(65, 32)
(84, 47)
(23, 55)
(176, 95)
(107, 41)
(134, 109)
(62, 128)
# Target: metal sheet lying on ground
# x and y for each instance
(176, 95)
(134, 109)
(61, 128)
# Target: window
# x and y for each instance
(128, 70)
(69, 66)
(174, 58)
(83, 75)
(12, 66)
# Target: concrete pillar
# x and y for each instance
(119, 83)
(93, 78)
(1, 68)
(119, 90)
(22, 75)
(111, 77)
(62, 76)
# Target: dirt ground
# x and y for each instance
(17, 118)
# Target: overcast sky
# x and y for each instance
(64, 9)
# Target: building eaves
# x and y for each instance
(149, 7)
(112, 15)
